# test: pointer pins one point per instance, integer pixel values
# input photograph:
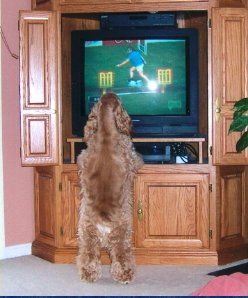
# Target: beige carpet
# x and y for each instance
(31, 276)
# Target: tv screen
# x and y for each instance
(153, 72)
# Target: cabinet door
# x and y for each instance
(69, 208)
(230, 79)
(45, 202)
(172, 211)
(39, 94)
(234, 207)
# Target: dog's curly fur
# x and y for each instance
(106, 170)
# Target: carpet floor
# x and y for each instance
(31, 276)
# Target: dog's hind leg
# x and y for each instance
(120, 251)
(88, 260)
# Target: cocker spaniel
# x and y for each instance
(106, 170)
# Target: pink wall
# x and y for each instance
(18, 181)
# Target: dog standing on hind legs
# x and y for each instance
(106, 170)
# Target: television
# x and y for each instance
(160, 95)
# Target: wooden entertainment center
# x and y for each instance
(183, 213)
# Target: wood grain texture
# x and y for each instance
(199, 20)
(233, 202)
(37, 57)
(175, 168)
(113, 6)
(232, 254)
(70, 208)
(230, 80)
(179, 209)
(166, 248)
(231, 224)
(39, 94)
(142, 256)
(172, 210)
(169, 205)
(198, 141)
(232, 3)
(45, 205)
(230, 141)
(43, 4)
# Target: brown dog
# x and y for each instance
(106, 170)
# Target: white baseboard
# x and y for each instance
(16, 251)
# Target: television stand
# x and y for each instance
(199, 141)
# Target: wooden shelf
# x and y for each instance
(200, 141)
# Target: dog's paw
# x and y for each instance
(91, 273)
(123, 274)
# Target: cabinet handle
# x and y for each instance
(140, 211)
(217, 110)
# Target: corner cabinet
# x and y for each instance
(183, 214)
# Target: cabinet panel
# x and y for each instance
(44, 205)
(172, 210)
(70, 206)
(37, 130)
(175, 211)
(230, 141)
(37, 61)
(233, 64)
(39, 88)
(233, 205)
(230, 80)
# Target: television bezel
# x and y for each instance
(142, 124)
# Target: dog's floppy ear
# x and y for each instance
(122, 120)
(91, 125)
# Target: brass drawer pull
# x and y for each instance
(140, 211)
(217, 110)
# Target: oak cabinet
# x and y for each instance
(69, 207)
(45, 205)
(182, 215)
(172, 211)
(233, 211)
(190, 214)
(39, 88)
(174, 227)
(230, 81)
(40, 85)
